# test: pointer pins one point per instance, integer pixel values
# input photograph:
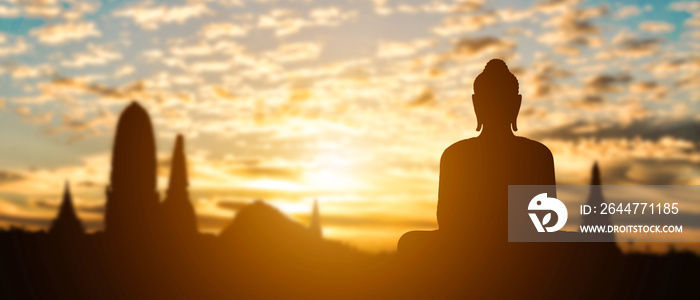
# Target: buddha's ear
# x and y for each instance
(475, 100)
(516, 109)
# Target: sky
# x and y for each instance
(349, 102)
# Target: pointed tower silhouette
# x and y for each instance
(66, 223)
(595, 198)
(179, 215)
(315, 224)
(132, 198)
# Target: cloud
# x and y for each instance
(459, 24)
(10, 176)
(645, 129)
(217, 30)
(687, 6)
(627, 45)
(402, 49)
(26, 114)
(77, 9)
(471, 47)
(214, 66)
(79, 206)
(590, 102)
(554, 6)
(625, 156)
(151, 16)
(78, 127)
(693, 21)
(436, 7)
(283, 22)
(655, 90)
(232, 205)
(132, 91)
(660, 172)
(286, 22)
(542, 82)
(9, 12)
(24, 72)
(573, 28)
(19, 46)
(124, 71)
(425, 97)
(627, 11)
(692, 7)
(295, 52)
(687, 64)
(212, 222)
(67, 32)
(199, 49)
(638, 47)
(688, 81)
(606, 83)
(656, 27)
(330, 16)
(514, 15)
(258, 169)
(95, 55)
(48, 9)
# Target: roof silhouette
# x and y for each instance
(261, 227)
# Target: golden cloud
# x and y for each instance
(67, 32)
(151, 16)
(95, 55)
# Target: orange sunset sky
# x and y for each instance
(349, 102)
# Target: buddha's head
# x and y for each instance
(496, 98)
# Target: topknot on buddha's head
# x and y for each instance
(496, 78)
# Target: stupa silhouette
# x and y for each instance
(66, 223)
(178, 212)
(132, 198)
(595, 199)
(315, 223)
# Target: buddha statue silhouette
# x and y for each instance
(475, 173)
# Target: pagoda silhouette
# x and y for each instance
(595, 199)
(315, 223)
(66, 224)
(178, 213)
(132, 198)
(133, 206)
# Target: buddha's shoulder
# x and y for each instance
(532, 146)
(460, 147)
(474, 144)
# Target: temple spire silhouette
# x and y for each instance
(178, 211)
(595, 199)
(315, 224)
(132, 198)
(66, 222)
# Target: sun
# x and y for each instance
(331, 173)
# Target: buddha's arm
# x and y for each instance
(447, 190)
(548, 177)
